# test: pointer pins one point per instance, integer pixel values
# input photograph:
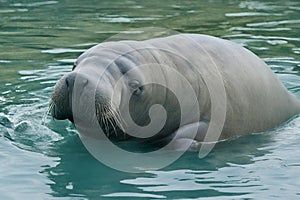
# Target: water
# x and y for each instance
(44, 159)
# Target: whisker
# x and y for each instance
(117, 117)
(51, 107)
(116, 125)
(112, 124)
(106, 122)
(110, 119)
(119, 120)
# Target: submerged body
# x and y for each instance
(255, 99)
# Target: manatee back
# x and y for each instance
(256, 99)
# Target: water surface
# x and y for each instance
(44, 159)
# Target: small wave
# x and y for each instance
(124, 32)
(276, 42)
(296, 50)
(282, 59)
(67, 28)
(4, 11)
(273, 23)
(49, 75)
(5, 61)
(136, 7)
(36, 4)
(85, 44)
(7, 11)
(120, 19)
(259, 29)
(274, 38)
(250, 14)
(255, 5)
(134, 194)
(67, 60)
(294, 8)
(62, 50)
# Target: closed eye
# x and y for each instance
(134, 84)
(136, 87)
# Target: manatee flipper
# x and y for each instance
(185, 135)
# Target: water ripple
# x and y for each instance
(256, 5)
(44, 159)
(36, 4)
(273, 23)
(62, 50)
(123, 19)
(134, 195)
(250, 14)
(274, 38)
(259, 29)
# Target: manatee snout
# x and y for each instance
(61, 99)
(78, 88)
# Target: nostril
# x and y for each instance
(67, 82)
(70, 79)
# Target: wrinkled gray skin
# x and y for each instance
(256, 100)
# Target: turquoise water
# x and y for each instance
(44, 159)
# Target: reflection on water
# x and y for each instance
(218, 174)
(42, 158)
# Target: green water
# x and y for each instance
(44, 159)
